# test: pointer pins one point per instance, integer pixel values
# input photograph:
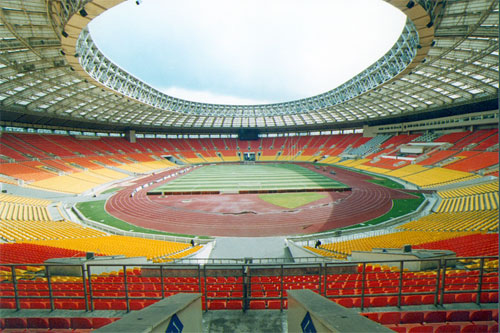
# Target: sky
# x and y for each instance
(246, 51)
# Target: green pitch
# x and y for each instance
(257, 177)
(291, 200)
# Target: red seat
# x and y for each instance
(119, 305)
(234, 305)
(398, 329)
(81, 323)
(379, 301)
(389, 318)
(421, 329)
(257, 305)
(372, 316)
(412, 317)
(412, 300)
(136, 305)
(37, 322)
(392, 301)
(457, 316)
(427, 299)
(494, 315)
(435, 317)
(480, 315)
(465, 298)
(345, 302)
(100, 305)
(216, 305)
(449, 298)
(100, 322)
(493, 328)
(7, 305)
(15, 323)
(274, 304)
(356, 302)
(59, 323)
(474, 328)
(448, 329)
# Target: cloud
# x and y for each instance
(209, 97)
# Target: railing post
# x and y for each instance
(49, 285)
(443, 283)
(480, 281)
(84, 282)
(319, 279)
(400, 286)
(89, 276)
(125, 284)
(199, 279)
(438, 277)
(363, 281)
(325, 278)
(14, 284)
(246, 286)
(162, 282)
(205, 290)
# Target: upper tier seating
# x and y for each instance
(114, 245)
(20, 253)
(20, 231)
(470, 190)
(478, 221)
(437, 177)
(475, 162)
(393, 240)
(466, 246)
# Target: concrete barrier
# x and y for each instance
(177, 313)
(310, 312)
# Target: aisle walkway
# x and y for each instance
(252, 247)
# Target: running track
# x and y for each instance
(247, 216)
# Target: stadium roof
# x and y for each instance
(51, 73)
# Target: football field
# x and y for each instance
(249, 178)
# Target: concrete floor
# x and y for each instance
(252, 247)
(251, 321)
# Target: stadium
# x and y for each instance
(375, 201)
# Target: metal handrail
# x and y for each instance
(280, 277)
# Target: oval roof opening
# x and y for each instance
(247, 52)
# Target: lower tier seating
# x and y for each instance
(438, 321)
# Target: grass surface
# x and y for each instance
(399, 207)
(291, 200)
(111, 190)
(385, 182)
(236, 177)
(94, 210)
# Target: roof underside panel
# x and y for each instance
(38, 85)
